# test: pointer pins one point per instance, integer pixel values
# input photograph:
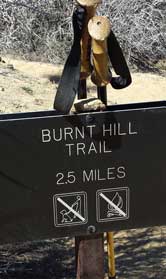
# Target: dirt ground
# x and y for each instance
(31, 86)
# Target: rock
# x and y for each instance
(91, 104)
(2, 88)
(27, 90)
(10, 66)
(1, 60)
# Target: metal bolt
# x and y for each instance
(89, 119)
(91, 229)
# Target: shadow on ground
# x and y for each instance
(140, 254)
(52, 259)
(54, 78)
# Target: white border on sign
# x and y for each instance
(101, 220)
(55, 198)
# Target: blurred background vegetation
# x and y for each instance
(42, 30)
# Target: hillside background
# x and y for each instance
(42, 30)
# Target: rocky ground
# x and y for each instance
(31, 86)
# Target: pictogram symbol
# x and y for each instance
(70, 209)
(112, 204)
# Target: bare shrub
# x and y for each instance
(42, 29)
(31, 27)
(140, 27)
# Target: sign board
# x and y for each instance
(67, 175)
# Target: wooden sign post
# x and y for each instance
(90, 257)
(89, 249)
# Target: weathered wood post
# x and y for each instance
(90, 249)
(90, 257)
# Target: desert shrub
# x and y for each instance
(140, 27)
(42, 29)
